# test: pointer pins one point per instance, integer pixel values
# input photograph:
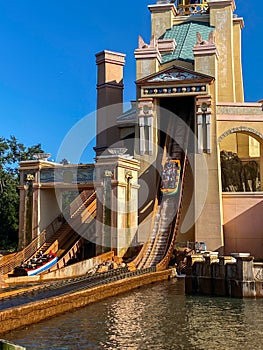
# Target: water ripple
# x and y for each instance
(158, 316)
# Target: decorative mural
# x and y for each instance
(238, 176)
(174, 76)
(175, 81)
(67, 175)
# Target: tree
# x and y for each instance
(11, 153)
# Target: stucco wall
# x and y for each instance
(243, 223)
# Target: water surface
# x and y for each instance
(158, 316)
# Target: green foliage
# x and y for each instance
(11, 153)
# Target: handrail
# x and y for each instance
(159, 234)
(74, 205)
(138, 258)
(81, 202)
(64, 260)
(165, 261)
(38, 241)
(169, 234)
(88, 214)
(32, 247)
(153, 242)
(145, 247)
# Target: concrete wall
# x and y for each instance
(225, 276)
(78, 269)
(243, 222)
(70, 271)
(49, 208)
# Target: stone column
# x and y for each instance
(145, 121)
(241, 282)
(117, 201)
(203, 119)
(162, 16)
(206, 58)
(238, 25)
(221, 16)
(39, 205)
(207, 193)
(148, 58)
(206, 61)
(28, 209)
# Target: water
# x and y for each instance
(157, 316)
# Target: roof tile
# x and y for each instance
(185, 37)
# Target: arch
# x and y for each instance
(242, 129)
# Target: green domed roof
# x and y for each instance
(185, 37)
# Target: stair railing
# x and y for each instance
(145, 246)
(31, 249)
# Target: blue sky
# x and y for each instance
(48, 70)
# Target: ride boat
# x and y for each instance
(36, 265)
(171, 177)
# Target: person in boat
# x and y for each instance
(34, 260)
(39, 262)
(40, 254)
(165, 180)
(51, 255)
(22, 265)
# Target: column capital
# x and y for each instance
(163, 8)
(222, 3)
(107, 56)
(148, 53)
(205, 50)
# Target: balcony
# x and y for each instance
(191, 7)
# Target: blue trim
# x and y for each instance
(43, 267)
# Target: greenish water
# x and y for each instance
(158, 316)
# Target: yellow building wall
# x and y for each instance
(239, 89)
(221, 16)
(229, 143)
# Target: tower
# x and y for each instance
(192, 58)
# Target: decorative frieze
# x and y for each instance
(66, 175)
(241, 129)
(174, 90)
(252, 109)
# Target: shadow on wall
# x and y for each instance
(243, 223)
